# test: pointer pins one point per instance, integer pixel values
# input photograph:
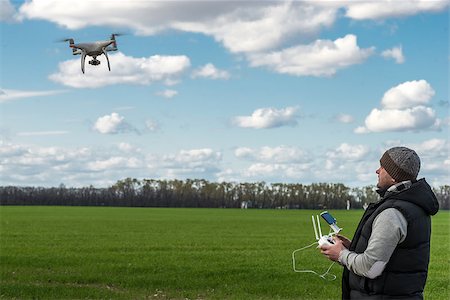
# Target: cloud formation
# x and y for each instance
(7, 11)
(378, 10)
(280, 154)
(346, 151)
(42, 133)
(395, 53)
(403, 108)
(84, 166)
(260, 30)
(124, 70)
(268, 118)
(240, 26)
(294, 164)
(321, 58)
(344, 118)
(408, 94)
(113, 124)
(244, 26)
(198, 163)
(8, 95)
(36, 165)
(167, 93)
(210, 71)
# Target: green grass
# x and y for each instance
(146, 253)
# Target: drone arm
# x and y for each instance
(107, 59)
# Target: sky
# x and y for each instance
(237, 91)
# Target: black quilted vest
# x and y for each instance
(406, 272)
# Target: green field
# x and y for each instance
(158, 253)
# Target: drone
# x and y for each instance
(93, 49)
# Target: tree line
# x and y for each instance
(202, 193)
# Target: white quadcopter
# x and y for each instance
(93, 49)
(320, 240)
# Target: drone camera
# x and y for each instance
(95, 62)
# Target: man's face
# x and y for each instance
(384, 179)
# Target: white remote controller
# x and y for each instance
(326, 240)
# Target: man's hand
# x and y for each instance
(332, 251)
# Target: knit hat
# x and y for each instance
(401, 163)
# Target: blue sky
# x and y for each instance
(279, 91)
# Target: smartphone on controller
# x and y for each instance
(331, 221)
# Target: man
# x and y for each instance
(389, 254)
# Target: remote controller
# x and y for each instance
(325, 239)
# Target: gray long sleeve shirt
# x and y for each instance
(388, 230)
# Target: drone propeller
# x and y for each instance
(113, 46)
(118, 34)
(64, 40)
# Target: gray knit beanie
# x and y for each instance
(401, 163)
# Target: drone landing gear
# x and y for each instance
(94, 62)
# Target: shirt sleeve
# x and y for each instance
(388, 230)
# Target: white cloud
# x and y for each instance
(152, 125)
(194, 156)
(124, 70)
(42, 133)
(321, 58)
(210, 71)
(247, 27)
(113, 163)
(280, 154)
(433, 148)
(243, 26)
(416, 118)
(199, 163)
(435, 160)
(7, 11)
(350, 164)
(361, 130)
(396, 53)
(375, 10)
(349, 152)
(345, 118)
(7, 95)
(408, 94)
(270, 170)
(167, 93)
(271, 164)
(244, 152)
(50, 166)
(125, 147)
(264, 26)
(112, 124)
(9, 149)
(403, 108)
(268, 118)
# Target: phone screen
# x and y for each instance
(328, 218)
